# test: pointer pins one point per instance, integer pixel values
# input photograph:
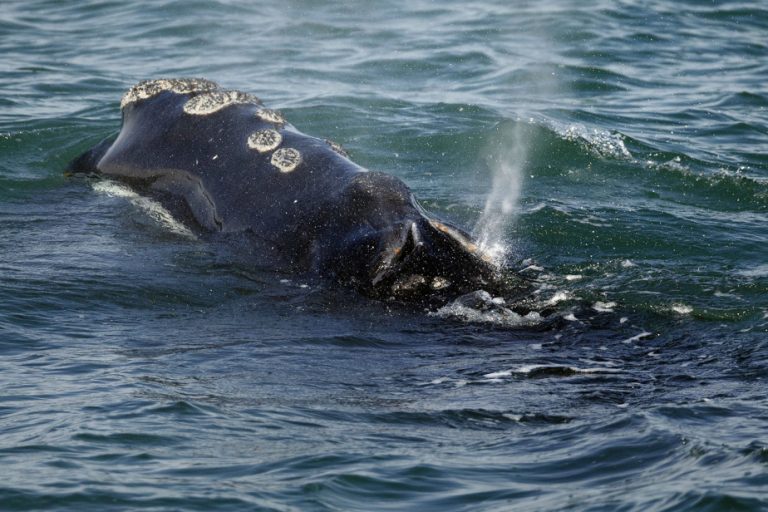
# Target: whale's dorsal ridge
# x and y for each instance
(149, 88)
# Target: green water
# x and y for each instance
(141, 369)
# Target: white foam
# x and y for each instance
(155, 210)
(497, 315)
(611, 364)
(496, 375)
(675, 164)
(602, 142)
(682, 309)
(604, 307)
(532, 368)
(493, 252)
(758, 271)
(637, 337)
(558, 297)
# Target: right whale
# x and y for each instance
(222, 163)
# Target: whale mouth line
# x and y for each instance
(395, 258)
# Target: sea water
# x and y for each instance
(615, 153)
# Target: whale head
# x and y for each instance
(389, 247)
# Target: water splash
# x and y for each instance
(603, 143)
(152, 208)
(482, 307)
(507, 158)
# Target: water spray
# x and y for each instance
(507, 158)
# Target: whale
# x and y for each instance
(225, 165)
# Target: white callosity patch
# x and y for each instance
(337, 148)
(438, 283)
(270, 116)
(286, 159)
(408, 283)
(465, 242)
(214, 101)
(264, 141)
(149, 88)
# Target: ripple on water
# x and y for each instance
(144, 369)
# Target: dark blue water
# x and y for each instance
(621, 154)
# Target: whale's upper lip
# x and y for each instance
(427, 253)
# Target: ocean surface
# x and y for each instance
(616, 153)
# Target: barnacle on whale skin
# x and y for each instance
(149, 88)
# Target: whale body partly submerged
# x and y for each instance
(223, 163)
